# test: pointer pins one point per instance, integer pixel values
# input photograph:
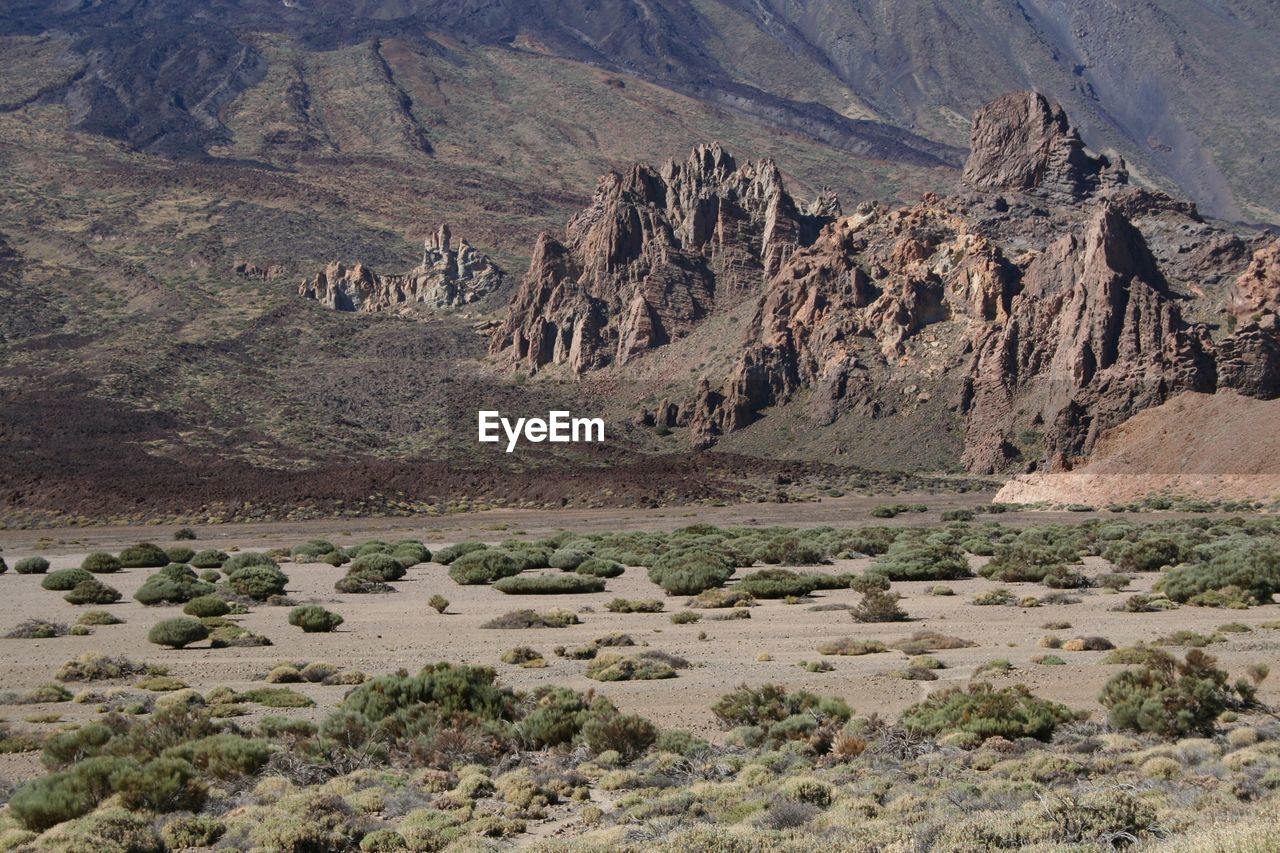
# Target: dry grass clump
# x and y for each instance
(850, 647)
(521, 619)
(1088, 644)
(930, 641)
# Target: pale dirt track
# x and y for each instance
(385, 632)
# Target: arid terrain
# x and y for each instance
(1024, 640)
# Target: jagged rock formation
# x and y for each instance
(652, 255)
(448, 277)
(1258, 287)
(1020, 142)
(1044, 305)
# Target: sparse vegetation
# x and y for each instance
(314, 619)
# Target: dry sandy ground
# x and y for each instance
(386, 632)
(1199, 445)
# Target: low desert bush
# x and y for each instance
(986, 711)
(518, 619)
(379, 568)
(879, 606)
(635, 605)
(92, 666)
(689, 571)
(920, 560)
(314, 619)
(438, 603)
(1252, 567)
(559, 584)
(144, 555)
(92, 592)
(210, 558)
(98, 617)
(206, 605)
(101, 562)
(1172, 698)
(614, 667)
(446, 556)
(31, 566)
(483, 566)
(930, 641)
(685, 617)
(848, 646)
(178, 632)
(600, 568)
(64, 580)
(258, 581)
(36, 629)
(776, 583)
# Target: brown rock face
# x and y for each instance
(1020, 142)
(448, 277)
(1018, 321)
(1093, 338)
(652, 255)
(1258, 287)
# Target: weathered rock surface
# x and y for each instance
(1044, 304)
(654, 253)
(448, 277)
(1258, 287)
(1020, 142)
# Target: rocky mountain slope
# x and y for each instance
(1183, 88)
(1040, 305)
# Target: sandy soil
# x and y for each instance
(1215, 446)
(386, 632)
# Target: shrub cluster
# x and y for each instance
(549, 584)
(1172, 698)
(174, 584)
(986, 711)
(921, 560)
(314, 619)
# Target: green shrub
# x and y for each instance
(244, 559)
(31, 566)
(92, 592)
(604, 730)
(225, 755)
(689, 571)
(314, 619)
(685, 617)
(210, 558)
(144, 555)
(600, 568)
(178, 632)
(484, 566)
(566, 560)
(50, 800)
(776, 583)
(848, 646)
(790, 551)
(449, 689)
(184, 534)
(258, 581)
(879, 606)
(98, 617)
(920, 560)
(549, 584)
(1149, 554)
(64, 580)
(612, 667)
(961, 514)
(438, 603)
(379, 568)
(313, 549)
(207, 605)
(984, 710)
(1171, 698)
(411, 553)
(1253, 567)
(556, 718)
(1000, 597)
(771, 715)
(180, 554)
(100, 562)
(162, 785)
(163, 588)
(520, 619)
(446, 556)
(187, 831)
(635, 605)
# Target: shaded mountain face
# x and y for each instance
(1181, 89)
(1040, 305)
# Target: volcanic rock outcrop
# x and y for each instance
(1042, 305)
(654, 253)
(1021, 142)
(448, 277)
